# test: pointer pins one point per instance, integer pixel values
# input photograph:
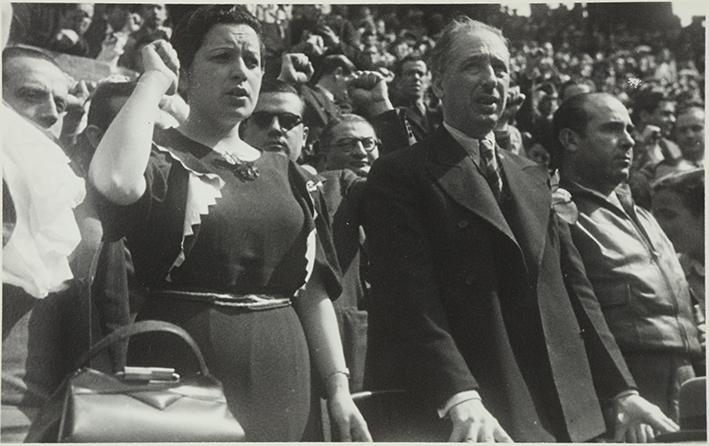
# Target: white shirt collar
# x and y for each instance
(470, 144)
(328, 94)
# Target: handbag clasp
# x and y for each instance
(130, 373)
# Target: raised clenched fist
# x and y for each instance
(161, 57)
(295, 68)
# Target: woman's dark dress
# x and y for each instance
(253, 240)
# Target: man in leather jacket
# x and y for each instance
(629, 260)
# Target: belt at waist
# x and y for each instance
(252, 302)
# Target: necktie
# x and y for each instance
(488, 164)
(409, 132)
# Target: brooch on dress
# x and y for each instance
(243, 170)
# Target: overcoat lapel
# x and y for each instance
(323, 106)
(457, 174)
(417, 121)
(531, 201)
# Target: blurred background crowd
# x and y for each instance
(69, 67)
(639, 52)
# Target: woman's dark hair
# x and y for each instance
(189, 33)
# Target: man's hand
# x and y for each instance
(368, 91)
(133, 22)
(66, 38)
(295, 68)
(387, 73)
(472, 423)
(638, 421)
(311, 44)
(76, 100)
(515, 99)
(78, 95)
(159, 56)
(330, 38)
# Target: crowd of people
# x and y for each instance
(504, 216)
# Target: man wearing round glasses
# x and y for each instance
(276, 125)
(349, 146)
(349, 142)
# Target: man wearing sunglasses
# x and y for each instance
(276, 125)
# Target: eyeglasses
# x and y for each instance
(350, 144)
(285, 120)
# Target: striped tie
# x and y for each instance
(409, 132)
(488, 164)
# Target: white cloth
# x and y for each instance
(44, 190)
(203, 190)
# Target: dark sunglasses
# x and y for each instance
(285, 120)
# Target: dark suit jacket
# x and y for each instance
(401, 127)
(342, 191)
(395, 130)
(423, 125)
(319, 110)
(469, 294)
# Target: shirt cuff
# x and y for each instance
(456, 399)
(625, 393)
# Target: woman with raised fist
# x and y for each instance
(229, 241)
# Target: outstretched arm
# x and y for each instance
(121, 157)
(317, 316)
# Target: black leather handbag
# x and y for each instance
(138, 404)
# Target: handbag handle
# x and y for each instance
(147, 326)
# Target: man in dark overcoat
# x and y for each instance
(481, 307)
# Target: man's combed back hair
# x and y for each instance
(571, 114)
(279, 86)
(647, 100)
(13, 52)
(440, 55)
(189, 33)
(327, 137)
(101, 114)
(410, 58)
(330, 63)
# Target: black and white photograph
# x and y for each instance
(464, 222)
